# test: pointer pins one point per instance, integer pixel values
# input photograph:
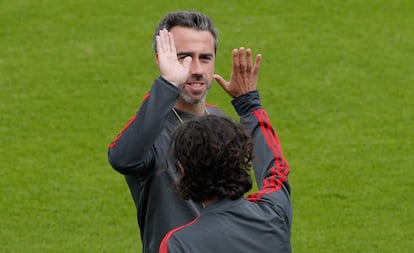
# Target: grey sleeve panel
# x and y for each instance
(130, 152)
(174, 247)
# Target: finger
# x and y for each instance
(249, 60)
(257, 64)
(171, 42)
(166, 40)
(236, 62)
(187, 62)
(161, 41)
(242, 60)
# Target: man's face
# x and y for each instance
(200, 46)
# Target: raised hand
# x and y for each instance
(170, 68)
(244, 74)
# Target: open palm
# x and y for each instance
(244, 73)
(170, 68)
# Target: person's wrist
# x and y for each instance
(247, 102)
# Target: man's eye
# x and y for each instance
(206, 59)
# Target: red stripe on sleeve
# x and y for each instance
(278, 173)
(146, 96)
(131, 120)
(115, 140)
(164, 243)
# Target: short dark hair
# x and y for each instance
(190, 19)
(216, 154)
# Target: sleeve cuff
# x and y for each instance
(247, 103)
(169, 85)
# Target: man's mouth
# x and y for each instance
(196, 86)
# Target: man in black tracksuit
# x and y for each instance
(185, 44)
(185, 56)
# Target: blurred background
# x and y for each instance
(337, 80)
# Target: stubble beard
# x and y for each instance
(190, 100)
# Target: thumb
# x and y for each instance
(220, 80)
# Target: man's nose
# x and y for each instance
(195, 67)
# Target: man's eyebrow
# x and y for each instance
(192, 54)
(185, 54)
(207, 55)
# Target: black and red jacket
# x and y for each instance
(139, 152)
(259, 223)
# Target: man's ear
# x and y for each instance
(156, 58)
(181, 167)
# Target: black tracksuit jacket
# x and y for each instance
(139, 152)
(261, 223)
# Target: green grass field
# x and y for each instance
(337, 80)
